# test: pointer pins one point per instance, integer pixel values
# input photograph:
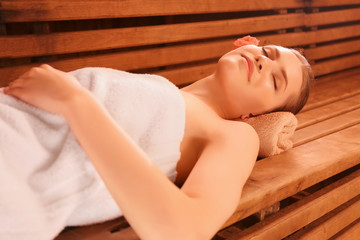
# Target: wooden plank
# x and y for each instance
(69, 42)
(331, 3)
(327, 111)
(96, 231)
(278, 177)
(332, 50)
(331, 91)
(303, 212)
(330, 224)
(139, 59)
(326, 127)
(351, 73)
(318, 36)
(55, 10)
(149, 58)
(331, 17)
(338, 64)
(351, 233)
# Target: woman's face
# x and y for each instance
(256, 80)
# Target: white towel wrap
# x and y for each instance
(46, 180)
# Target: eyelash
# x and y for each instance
(265, 53)
(274, 80)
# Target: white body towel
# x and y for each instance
(46, 180)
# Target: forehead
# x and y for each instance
(293, 68)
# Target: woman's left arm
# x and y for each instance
(153, 205)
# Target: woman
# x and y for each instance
(217, 153)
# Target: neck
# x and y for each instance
(210, 93)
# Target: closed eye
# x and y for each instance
(275, 85)
(265, 53)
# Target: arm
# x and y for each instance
(153, 205)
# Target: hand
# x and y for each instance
(45, 87)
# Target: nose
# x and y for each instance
(261, 62)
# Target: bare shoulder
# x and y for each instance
(235, 136)
(237, 129)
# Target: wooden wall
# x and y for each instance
(179, 39)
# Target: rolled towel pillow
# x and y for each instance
(275, 131)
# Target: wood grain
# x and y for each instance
(331, 17)
(331, 3)
(351, 233)
(303, 212)
(92, 40)
(328, 111)
(333, 50)
(326, 127)
(338, 64)
(51, 10)
(331, 223)
(283, 175)
(316, 36)
(325, 92)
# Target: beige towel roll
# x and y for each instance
(275, 131)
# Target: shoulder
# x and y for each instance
(229, 131)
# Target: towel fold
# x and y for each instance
(275, 131)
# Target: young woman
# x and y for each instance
(217, 153)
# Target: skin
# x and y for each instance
(218, 153)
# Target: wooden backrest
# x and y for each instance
(181, 40)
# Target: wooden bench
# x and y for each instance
(311, 191)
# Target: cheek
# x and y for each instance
(261, 97)
(264, 87)
(229, 70)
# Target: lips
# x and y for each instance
(249, 65)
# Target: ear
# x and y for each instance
(243, 117)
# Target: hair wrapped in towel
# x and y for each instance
(275, 131)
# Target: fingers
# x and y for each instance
(16, 87)
(14, 91)
(37, 70)
(17, 83)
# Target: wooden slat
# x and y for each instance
(333, 50)
(133, 60)
(108, 230)
(327, 111)
(278, 177)
(351, 233)
(141, 59)
(331, 3)
(302, 212)
(351, 73)
(330, 17)
(69, 42)
(326, 127)
(332, 91)
(330, 224)
(317, 36)
(338, 64)
(37, 10)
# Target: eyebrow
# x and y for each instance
(277, 55)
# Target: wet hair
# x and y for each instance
(296, 102)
